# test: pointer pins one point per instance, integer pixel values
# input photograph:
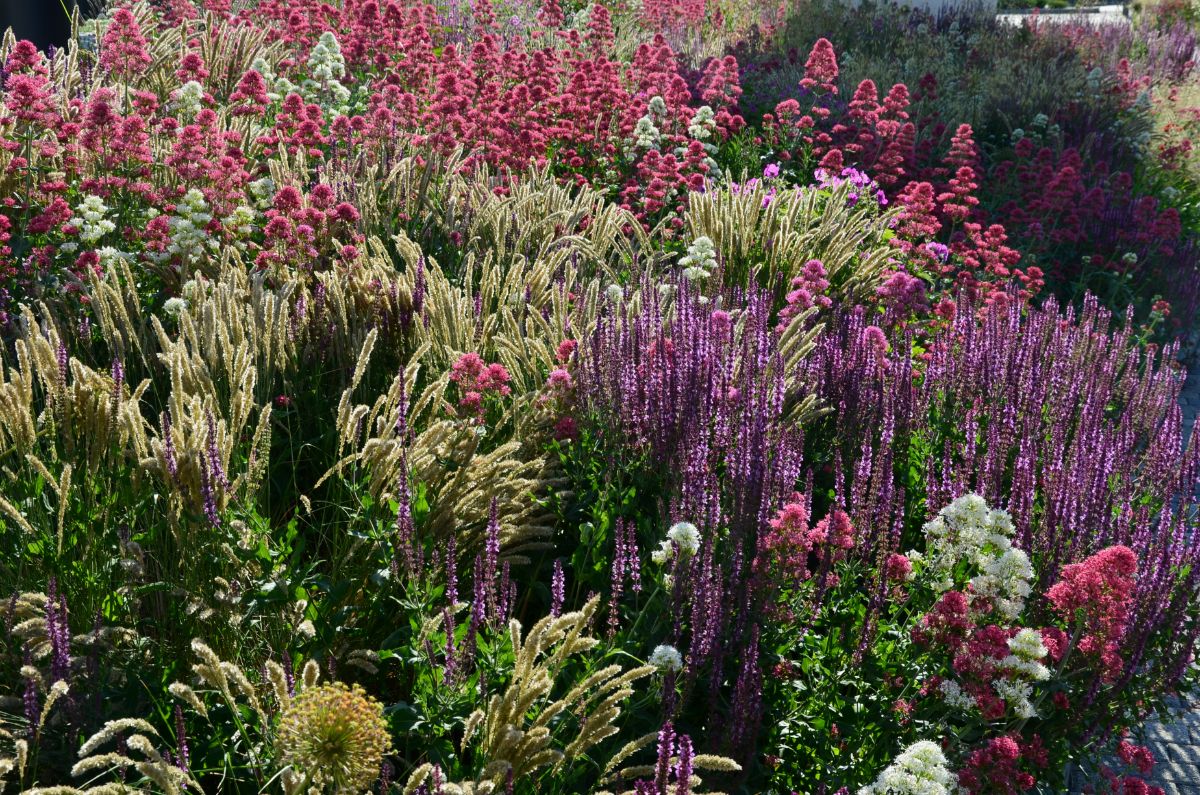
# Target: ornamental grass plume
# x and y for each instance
(334, 737)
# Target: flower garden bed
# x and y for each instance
(557, 398)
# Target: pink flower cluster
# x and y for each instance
(478, 380)
(808, 290)
(792, 551)
(996, 769)
(1095, 596)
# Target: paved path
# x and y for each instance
(1101, 15)
(1176, 746)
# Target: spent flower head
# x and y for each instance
(334, 736)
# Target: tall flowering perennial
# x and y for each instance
(995, 664)
(1095, 597)
(968, 531)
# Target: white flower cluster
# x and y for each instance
(278, 87)
(174, 307)
(90, 222)
(919, 770)
(326, 68)
(189, 239)
(263, 191)
(1016, 692)
(109, 256)
(646, 133)
(189, 99)
(240, 224)
(1025, 662)
(703, 128)
(700, 260)
(666, 658)
(967, 530)
(1005, 578)
(703, 125)
(684, 535)
(955, 696)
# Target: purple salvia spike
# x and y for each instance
(169, 447)
(217, 471)
(451, 571)
(558, 585)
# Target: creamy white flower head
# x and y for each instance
(694, 274)
(263, 191)
(174, 307)
(666, 658)
(1028, 643)
(90, 222)
(645, 134)
(189, 99)
(657, 106)
(189, 237)
(700, 254)
(1027, 652)
(921, 769)
(1006, 579)
(955, 696)
(1016, 693)
(663, 553)
(614, 293)
(687, 536)
(703, 124)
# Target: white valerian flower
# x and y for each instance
(703, 124)
(645, 134)
(1006, 580)
(326, 68)
(687, 536)
(666, 658)
(278, 87)
(263, 191)
(614, 293)
(240, 224)
(109, 256)
(920, 769)
(174, 307)
(955, 696)
(967, 530)
(663, 553)
(657, 107)
(1028, 651)
(90, 221)
(1016, 693)
(189, 99)
(189, 236)
(694, 274)
(702, 253)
